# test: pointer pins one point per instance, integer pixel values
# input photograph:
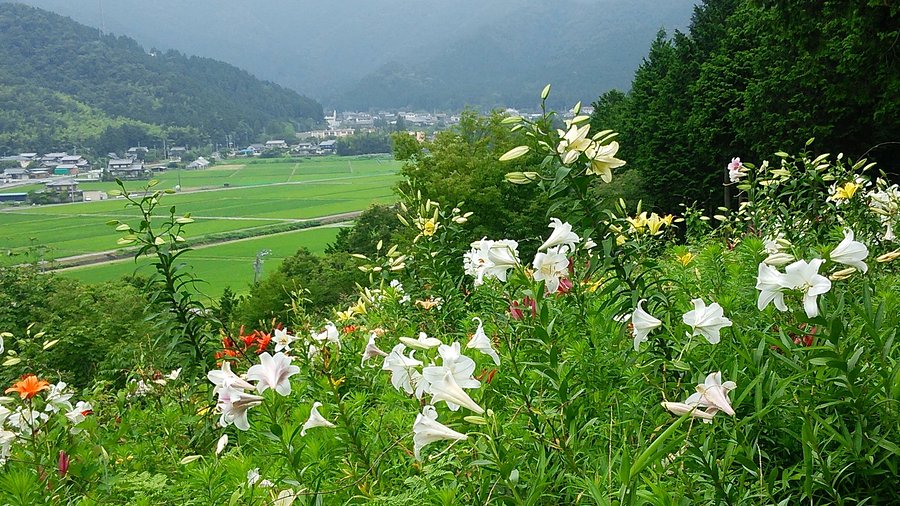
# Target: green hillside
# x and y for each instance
(64, 84)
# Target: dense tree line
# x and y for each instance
(753, 77)
(364, 144)
(61, 82)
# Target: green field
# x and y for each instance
(260, 195)
(222, 265)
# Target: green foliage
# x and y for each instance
(375, 224)
(99, 330)
(751, 78)
(462, 165)
(324, 283)
(364, 144)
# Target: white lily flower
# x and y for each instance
(458, 365)
(80, 412)
(172, 376)
(706, 321)
(422, 343)
(503, 255)
(643, 323)
(315, 420)
(371, 350)
(285, 498)
(482, 343)
(805, 277)
(58, 398)
(330, 334)
(779, 259)
(773, 245)
(850, 252)
(227, 381)
(715, 393)
(712, 395)
(283, 340)
(273, 372)
(427, 430)
(446, 389)
(252, 476)
(603, 160)
(221, 443)
(562, 235)
(476, 260)
(401, 367)
(770, 284)
(234, 406)
(690, 406)
(573, 142)
(550, 267)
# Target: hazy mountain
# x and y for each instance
(61, 82)
(425, 53)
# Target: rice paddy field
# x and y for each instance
(222, 265)
(225, 198)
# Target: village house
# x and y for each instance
(66, 190)
(304, 148)
(327, 147)
(52, 159)
(15, 174)
(39, 172)
(328, 133)
(199, 163)
(126, 168)
(65, 170)
(276, 144)
(77, 160)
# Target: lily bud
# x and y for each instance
(521, 177)
(842, 274)
(888, 257)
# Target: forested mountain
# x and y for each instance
(396, 53)
(63, 83)
(752, 77)
(583, 49)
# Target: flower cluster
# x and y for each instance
(884, 201)
(39, 401)
(703, 320)
(254, 342)
(598, 151)
(494, 259)
(804, 277)
(445, 383)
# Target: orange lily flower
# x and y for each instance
(28, 387)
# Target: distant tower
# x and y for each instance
(102, 22)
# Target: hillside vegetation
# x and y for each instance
(63, 84)
(751, 78)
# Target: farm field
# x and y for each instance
(269, 194)
(229, 264)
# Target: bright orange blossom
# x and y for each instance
(28, 387)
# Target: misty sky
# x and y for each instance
(321, 48)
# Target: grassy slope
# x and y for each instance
(221, 265)
(323, 186)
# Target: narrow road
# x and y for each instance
(118, 255)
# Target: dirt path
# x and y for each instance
(118, 255)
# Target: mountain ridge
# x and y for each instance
(115, 78)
